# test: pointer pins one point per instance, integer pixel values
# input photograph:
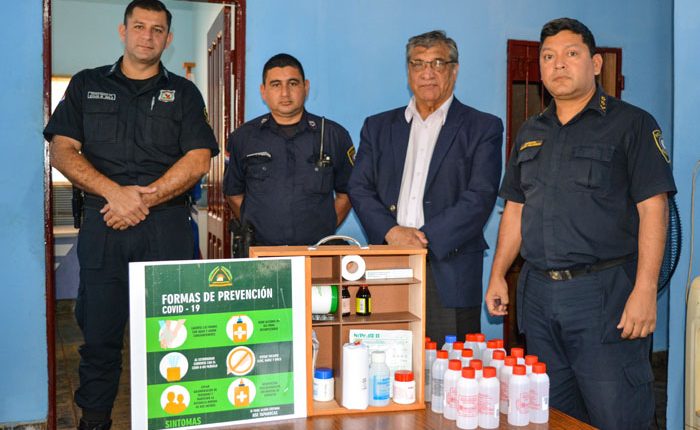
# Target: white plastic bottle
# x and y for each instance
(489, 399)
(478, 366)
(457, 348)
(449, 340)
(498, 361)
(529, 361)
(518, 396)
(430, 356)
(488, 352)
(437, 375)
(452, 375)
(519, 354)
(468, 400)
(467, 356)
(480, 345)
(506, 373)
(470, 342)
(379, 380)
(539, 394)
(499, 346)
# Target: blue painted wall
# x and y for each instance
(686, 155)
(23, 365)
(353, 53)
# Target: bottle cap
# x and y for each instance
(530, 359)
(499, 343)
(467, 353)
(403, 376)
(442, 353)
(455, 364)
(458, 345)
(431, 345)
(489, 372)
(476, 364)
(499, 355)
(378, 356)
(427, 339)
(491, 344)
(539, 368)
(510, 360)
(517, 352)
(323, 373)
(519, 369)
(469, 337)
(468, 372)
(480, 337)
(450, 338)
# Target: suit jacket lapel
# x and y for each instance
(400, 131)
(445, 139)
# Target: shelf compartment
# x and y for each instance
(380, 318)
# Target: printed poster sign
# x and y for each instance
(213, 342)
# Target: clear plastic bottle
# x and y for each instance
(449, 340)
(506, 373)
(430, 356)
(529, 361)
(539, 394)
(437, 374)
(489, 399)
(478, 366)
(452, 375)
(467, 356)
(488, 352)
(498, 361)
(518, 396)
(499, 346)
(457, 348)
(379, 380)
(519, 355)
(468, 402)
(480, 345)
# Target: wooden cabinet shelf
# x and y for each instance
(397, 304)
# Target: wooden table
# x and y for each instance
(421, 419)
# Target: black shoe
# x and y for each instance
(104, 425)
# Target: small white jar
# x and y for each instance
(324, 385)
(404, 387)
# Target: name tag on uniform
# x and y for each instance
(259, 154)
(101, 96)
(530, 144)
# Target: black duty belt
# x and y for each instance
(567, 274)
(96, 202)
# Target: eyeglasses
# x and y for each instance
(438, 65)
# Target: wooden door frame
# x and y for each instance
(49, 272)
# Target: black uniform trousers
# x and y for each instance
(102, 308)
(595, 375)
(441, 321)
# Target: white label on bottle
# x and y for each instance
(346, 305)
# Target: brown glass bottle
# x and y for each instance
(363, 301)
(345, 309)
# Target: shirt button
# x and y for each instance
(392, 208)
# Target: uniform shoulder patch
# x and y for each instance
(351, 155)
(206, 116)
(530, 144)
(659, 141)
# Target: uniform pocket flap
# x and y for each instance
(100, 106)
(639, 373)
(528, 154)
(594, 152)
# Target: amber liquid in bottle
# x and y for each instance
(363, 301)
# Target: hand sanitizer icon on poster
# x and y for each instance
(241, 392)
(239, 328)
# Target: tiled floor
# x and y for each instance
(69, 338)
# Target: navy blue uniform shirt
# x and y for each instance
(288, 197)
(132, 131)
(580, 182)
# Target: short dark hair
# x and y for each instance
(555, 26)
(282, 60)
(154, 5)
(430, 39)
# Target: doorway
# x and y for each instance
(66, 51)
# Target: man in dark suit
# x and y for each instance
(427, 175)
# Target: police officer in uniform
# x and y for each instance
(288, 170)
(135, 138)
(586, 193)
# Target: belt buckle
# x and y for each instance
(560, 275)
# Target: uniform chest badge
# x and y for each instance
(166, 96)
